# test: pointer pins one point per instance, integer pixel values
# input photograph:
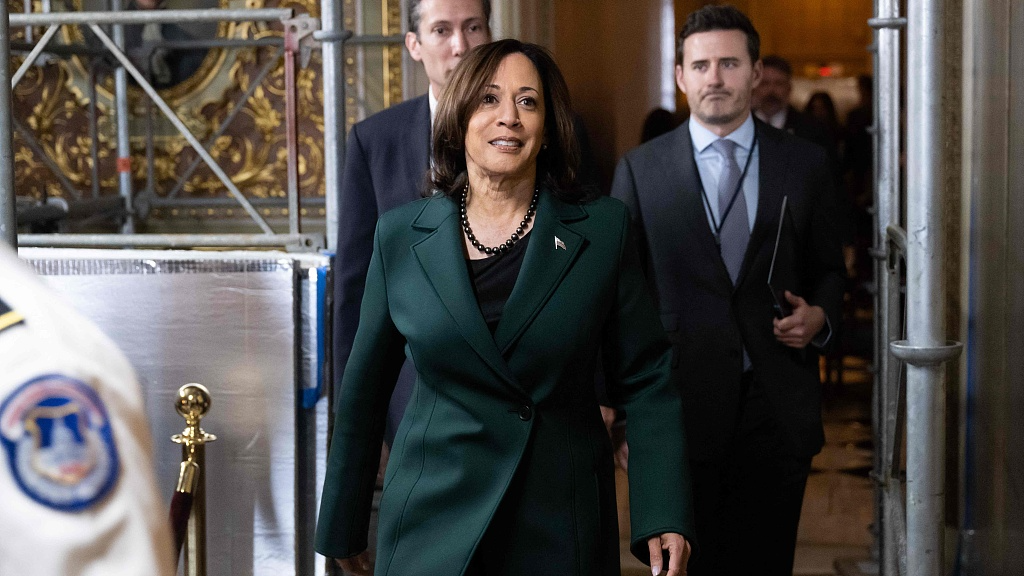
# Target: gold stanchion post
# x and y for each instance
(193, 402)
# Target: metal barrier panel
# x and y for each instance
(248, 326)
(992, 540)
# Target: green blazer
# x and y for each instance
(503, 435)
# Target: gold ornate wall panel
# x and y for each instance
(52, 100)
(373, 72)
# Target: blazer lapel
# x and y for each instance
(549, 256)
(440, 256)
(770, 190)
(687, 218)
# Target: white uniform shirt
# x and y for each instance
(77, 490)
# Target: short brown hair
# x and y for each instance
(557, 163)
(716, 17)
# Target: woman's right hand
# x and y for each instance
(358, 564)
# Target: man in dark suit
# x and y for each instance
(705, 201)
(386, 161)
(771, 105)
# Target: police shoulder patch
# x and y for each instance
(9, 317)
(59, 442)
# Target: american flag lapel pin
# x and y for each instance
(559, 245)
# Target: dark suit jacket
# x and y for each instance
(509, 419)
(706, 317)
(386, 161)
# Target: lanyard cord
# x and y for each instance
(717, 225)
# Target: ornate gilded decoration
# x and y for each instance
(392, 53)
(373, 73)
(202, 87)
(52, 102)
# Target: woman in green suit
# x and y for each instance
(503, 287)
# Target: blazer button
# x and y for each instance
(525, 413)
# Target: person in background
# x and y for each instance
(859, 166)
(504, 286)
(706, 200)
(658, 122)
(822, 109)
(770, 102)
(76, 478)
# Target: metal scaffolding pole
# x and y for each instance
(173, 118)
(34, 54)
(124, 148)
(333, 36)
(8, 227)
(302, 242)
(890, 515)
(926, 348)
(291, 49)
(239, 105)
(151, 16)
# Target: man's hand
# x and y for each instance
(678, 553)
(799, 328)
(358, 564)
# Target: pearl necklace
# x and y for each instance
(507, 245)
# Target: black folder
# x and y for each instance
(783, 255)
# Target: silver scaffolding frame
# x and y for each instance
(8, 226)
(296, 29)
(909, 531)
(331, 37)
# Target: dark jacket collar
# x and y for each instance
(685, 204)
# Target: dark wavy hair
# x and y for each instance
(716, 17)
(558, 162)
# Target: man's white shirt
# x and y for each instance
(709, 166)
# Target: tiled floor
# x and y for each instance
(838, 503)
(838, 508)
